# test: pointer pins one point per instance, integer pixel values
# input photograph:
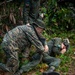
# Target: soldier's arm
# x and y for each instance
(44, 43)
(35, 41)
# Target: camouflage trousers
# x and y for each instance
(12, 56)
(37, 58)
(51, 61)
(12, 62)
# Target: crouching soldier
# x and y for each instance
(19, 40)
(31, 11)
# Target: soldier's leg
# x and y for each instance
(25, 55)
(29, 66)
(24, 59)
(52, 62)
(12, 63)
(26, 9)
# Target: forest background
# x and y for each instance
(59, 17)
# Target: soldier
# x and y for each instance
(19, 40)
(31, 11)
(56, 46)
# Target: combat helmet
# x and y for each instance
(39, 23)
(66, 42)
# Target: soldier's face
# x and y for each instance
(39, 30)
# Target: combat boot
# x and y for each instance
(51, 69)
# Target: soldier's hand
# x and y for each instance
(28, 24)
(63, 51)
(63, 47)
(46, 48)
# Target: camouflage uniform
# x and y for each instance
(45, 57)
(18, 40)
(55, 46)
(55, 49)
(31, 11)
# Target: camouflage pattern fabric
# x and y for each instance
(37, 58)
(31, 10)
(34, 9)
(54, 46)
(16, 40)
(66, 42)
(51, 61)
(47, 57)
(32, 64)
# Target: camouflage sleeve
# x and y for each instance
(35, 41)
(43, 40)
(57, 45)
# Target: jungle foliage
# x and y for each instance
(60, 22)
(61, 15)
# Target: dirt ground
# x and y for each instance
(72, 67)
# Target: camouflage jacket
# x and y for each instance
(54, 46)
(21, 37)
